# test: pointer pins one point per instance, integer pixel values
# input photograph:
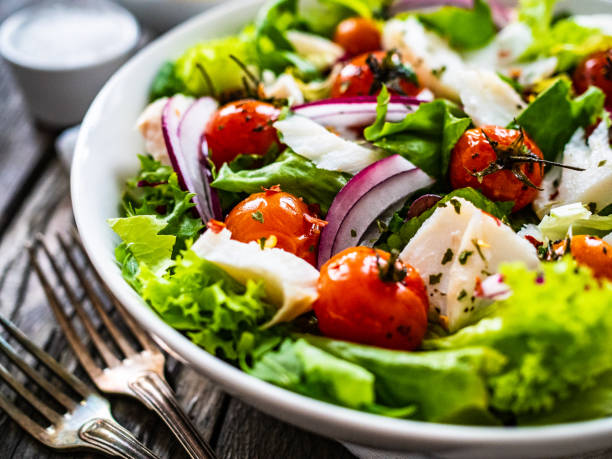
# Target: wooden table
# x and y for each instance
(34, 197)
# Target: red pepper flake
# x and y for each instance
(478, 291)
(272, 190)
(534, 241)
(315, 220)
(215, 226)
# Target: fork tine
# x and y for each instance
(67, 402)
(52, 364)
(110, 359)
(123, 344)
(23, 420)
(53, 416)
(143, 338)
(90, 366)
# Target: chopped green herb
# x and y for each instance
(478, 249)
(311, 248)
(456, 204)
(353, 233)
(382, 227)
(448, 256)
(602, 163)
(462, 295)
(258, 216)
(592, 206)
(463, 256)
(262, 243)
(435, 278)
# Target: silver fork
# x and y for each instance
(139, 374)
(85, 424)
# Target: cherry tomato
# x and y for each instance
(595, 70)
(589, 251)
(281, 219)
(361, 300)
(241, 127)
(357, 77)
(358, 35)
(474, 153)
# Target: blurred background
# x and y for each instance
(57, 54)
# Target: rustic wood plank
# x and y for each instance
(22, 146)
(48, 210)
(248, 432)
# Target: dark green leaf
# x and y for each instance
(294, 173)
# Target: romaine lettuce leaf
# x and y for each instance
(554, 330)
(465, 29)
(445, 386)
(574, 217)
(213, 309)
(425, 137)
(294, 173)
(400, 234)
(308, 370)
(537, 14)
(553, 117)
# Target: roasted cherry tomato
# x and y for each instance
(589, 251)
(241, 127)
(502, 163)
(595, 70)
(365, 75)
(365, 298)
(358, 35)
(277, 219)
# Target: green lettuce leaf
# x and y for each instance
(563, 38)
(553, 117)
(465, 29)
(576, 217)
(166, 83)
(306, 369)
(445, 386)
(214, 310)
(157, 214)
(569, 43)
(140, 234)
(425, 137)
(399, 235)
(214, 57)
(554, 331)
(592, 403)
(537, 14)
(274, 51)
(294, 173)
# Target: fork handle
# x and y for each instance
(114, 439)
(155, 392)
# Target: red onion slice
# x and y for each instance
(366, 196)
(182, 126)
(421, 204)
(359, 111)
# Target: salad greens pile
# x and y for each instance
(540, 354)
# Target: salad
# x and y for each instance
(399, 209)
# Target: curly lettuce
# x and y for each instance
(554, 332)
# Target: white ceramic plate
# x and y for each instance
(106, 155)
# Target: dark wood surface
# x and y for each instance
(34, 197)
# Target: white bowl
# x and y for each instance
(106, 155)
(59, 86)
